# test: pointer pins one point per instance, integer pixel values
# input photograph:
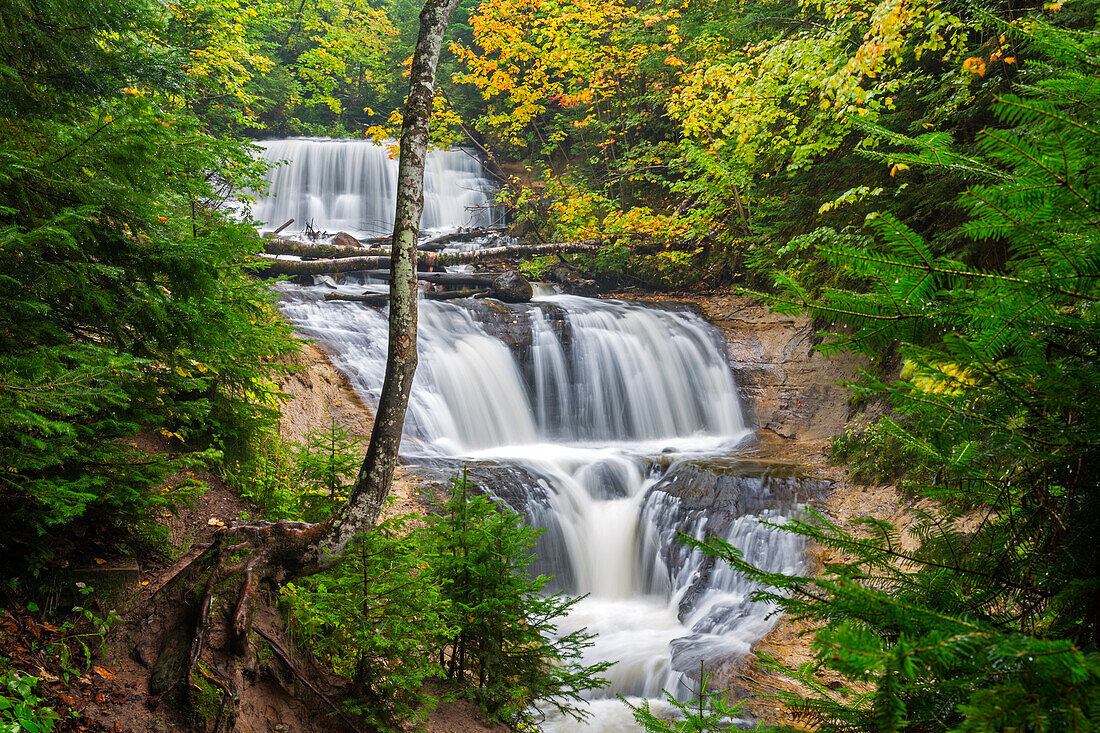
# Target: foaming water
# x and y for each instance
(351, 185)
(614, 415)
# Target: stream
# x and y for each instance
(612, 425)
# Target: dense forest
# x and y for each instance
(919, 176)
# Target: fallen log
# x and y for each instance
(359, 262)
(281, 246)
(380, 299)
(443, 278)
(379, 245)
(373, 299)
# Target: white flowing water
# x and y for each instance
(609, 424)
(351, 185)
(605, 411)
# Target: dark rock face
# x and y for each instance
(726, 488)
(522, 491)
(512, 287)
(509, 323)
(343, 239)
(712, 494)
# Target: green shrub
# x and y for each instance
(377, 618)
(326, 467)
(880, 454)
(707, 710)
(22, 710)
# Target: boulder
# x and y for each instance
(511, 287)
(343, 239)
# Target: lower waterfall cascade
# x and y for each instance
(613, 426)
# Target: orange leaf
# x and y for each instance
(104, 673)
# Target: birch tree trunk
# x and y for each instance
(376, 474)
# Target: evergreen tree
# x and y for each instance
(707, 711)
(126, 301)
(993, 623)
(377, 617)
(506, 648)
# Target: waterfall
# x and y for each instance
(351, 185)
(615, 427)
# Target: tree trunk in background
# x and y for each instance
(376, 474)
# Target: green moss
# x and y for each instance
(877, 455)
(205, 701)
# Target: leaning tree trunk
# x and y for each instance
(284, 550)
(376, 474)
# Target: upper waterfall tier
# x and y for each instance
(350, 185)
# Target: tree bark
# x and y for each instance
(357, 263)
(376, 474)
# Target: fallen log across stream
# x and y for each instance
(376, 246)
(354, 263)
(441, 278)
(380, 299)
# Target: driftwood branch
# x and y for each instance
(356, 263)
(434, 245)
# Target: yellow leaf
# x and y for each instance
(100, 561)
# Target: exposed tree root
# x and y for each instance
(285, 658)
(274, 552)
(200, 614)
